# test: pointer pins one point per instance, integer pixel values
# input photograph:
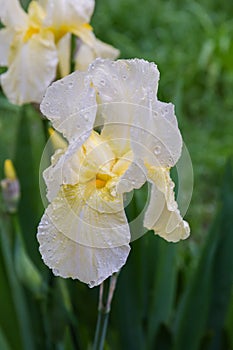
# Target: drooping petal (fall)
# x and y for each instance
(68, 258)
(90, 216)
(86, 54)
(32, 67)
(163, 215)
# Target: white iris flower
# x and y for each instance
(84, 233)
(32, 44)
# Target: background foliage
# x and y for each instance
(168, 296)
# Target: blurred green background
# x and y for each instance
(168, 297)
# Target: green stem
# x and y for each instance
(106, 292)
(17, 292)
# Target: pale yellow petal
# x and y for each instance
(105, 50)
(129, 81)
(6, 37)
(36, 13)
(12, 14)
(133, 176)
(86, 54)
(163, 215)
(90, 216)
(64, 169)
(128, 104)
(43, 3)
(79, 164)
(32, 68)
(157, 138)
(69, 259)
(53, 175)
(68, 12)
(64, 54)
(70, 104)
(97, 157)
(124, 91)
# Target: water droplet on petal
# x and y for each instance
(157, 150)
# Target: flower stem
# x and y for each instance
(106, 292)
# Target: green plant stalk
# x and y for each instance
(106, 292)
(17, 293)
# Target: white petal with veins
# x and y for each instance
(69, 259)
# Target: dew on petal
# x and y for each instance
(157, 150)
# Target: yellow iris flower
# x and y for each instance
(84, 232)
(33, 44)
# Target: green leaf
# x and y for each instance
(192, 314)
(222, 282)
(164, 287)
(4, 345)
(16, 290)
(30, 145)
(202, 313)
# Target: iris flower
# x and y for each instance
(32, 44)
(119, 136)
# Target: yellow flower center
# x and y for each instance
(101, 180)
(99, 170)
(30, 32)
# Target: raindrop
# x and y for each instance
(113, 193)
(124, 77)
(70, 85)
(102, 82)
(157, 150)
(64, 180)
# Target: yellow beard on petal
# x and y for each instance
(30, 32)
(62, 30)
